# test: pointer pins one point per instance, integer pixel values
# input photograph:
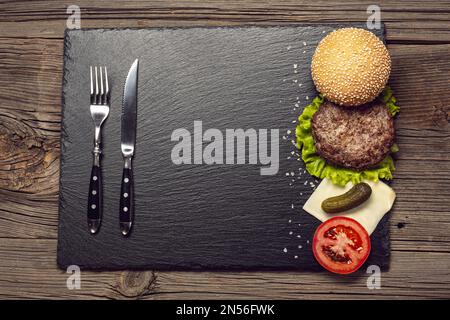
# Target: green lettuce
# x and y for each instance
(318, 167)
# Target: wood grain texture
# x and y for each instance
(31, 43)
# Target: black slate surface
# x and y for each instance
(198, 217)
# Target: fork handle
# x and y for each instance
(94, 214)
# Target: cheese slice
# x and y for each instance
(367, 214)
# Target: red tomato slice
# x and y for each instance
(341, 245)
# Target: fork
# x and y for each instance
(100, 101)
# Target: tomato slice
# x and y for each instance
(341, 245)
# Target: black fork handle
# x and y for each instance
(94, 214)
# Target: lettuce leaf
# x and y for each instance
(318, 167)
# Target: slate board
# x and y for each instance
(192, 217)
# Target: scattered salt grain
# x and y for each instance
(285, 250)
(290, 233)
(304, 43)
(289, 132)
(300, 246)
(295, 66)
(295, 257)
(292, 206)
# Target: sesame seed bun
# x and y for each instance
(350, 66)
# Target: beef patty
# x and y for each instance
(356, 138)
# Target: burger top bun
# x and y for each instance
(350, 66)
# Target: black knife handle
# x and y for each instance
(94, 214)
(126, 214)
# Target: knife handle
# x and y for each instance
(126, 214)
(94, 213)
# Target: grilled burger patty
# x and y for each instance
(356, 138)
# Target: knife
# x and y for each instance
(128, 139)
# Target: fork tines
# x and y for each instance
(99, 95)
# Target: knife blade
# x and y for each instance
(128, 140)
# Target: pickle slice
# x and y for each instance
(354, 197)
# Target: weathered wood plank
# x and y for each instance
(30, 107)
(28, 270)
(408, 21)
(29, 151)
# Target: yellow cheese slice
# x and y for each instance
(367, 214)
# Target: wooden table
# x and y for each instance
(31, 47)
